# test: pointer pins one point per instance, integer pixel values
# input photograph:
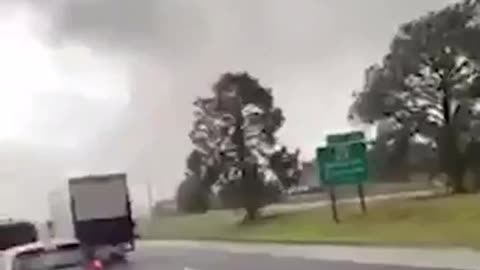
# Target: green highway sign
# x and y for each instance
(344, 160)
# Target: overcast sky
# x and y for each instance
(98, 85)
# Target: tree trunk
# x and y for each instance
(458, 186)
(452, 159)
(252, 189)
(246, 181)
(251, 214)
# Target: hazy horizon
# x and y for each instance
(94, 86)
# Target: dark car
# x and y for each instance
(15, 233)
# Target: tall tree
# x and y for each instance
(428, 83)
(235, 143)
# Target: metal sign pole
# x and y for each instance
(333, 202)
(150, 202)
(361, 195)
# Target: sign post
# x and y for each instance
(333, 200)
(361, 194)
(344, 162)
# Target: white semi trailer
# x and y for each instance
(96, 210)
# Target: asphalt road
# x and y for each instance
(185, 258)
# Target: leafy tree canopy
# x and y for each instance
(429, 82)
(236, 150)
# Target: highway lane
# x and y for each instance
(191, 258)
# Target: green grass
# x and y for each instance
(441, 221)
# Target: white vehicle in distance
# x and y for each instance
(57, 254)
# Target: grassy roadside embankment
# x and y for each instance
(449, 221)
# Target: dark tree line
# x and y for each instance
(427, 86)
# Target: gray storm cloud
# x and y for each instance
(189, 42)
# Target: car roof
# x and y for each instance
(37, 245)
(64, 241)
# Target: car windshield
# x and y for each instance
(60, 258)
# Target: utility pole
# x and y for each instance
(150, 198)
